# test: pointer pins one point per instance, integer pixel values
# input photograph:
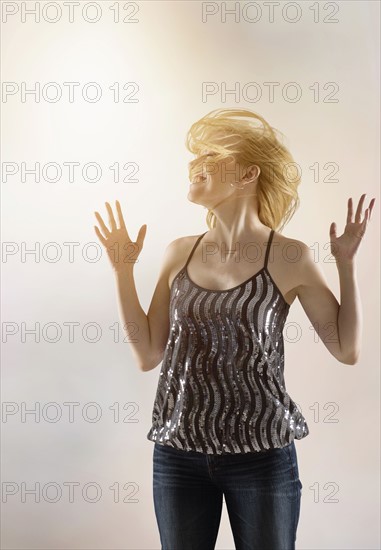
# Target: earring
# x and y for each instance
(232, 185)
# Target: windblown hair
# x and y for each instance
(250, 144)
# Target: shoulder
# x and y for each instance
(297, 262)
(304, 262)
(182, 243)
(177, 251)
(293, 250)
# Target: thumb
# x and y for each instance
(332, 231)
(142, 233)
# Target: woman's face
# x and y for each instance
(212, 184)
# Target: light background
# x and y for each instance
(169, 53)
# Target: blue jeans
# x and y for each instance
(262, 493)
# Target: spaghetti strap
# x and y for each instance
(193, 249)
(268, 248)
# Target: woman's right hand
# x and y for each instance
(121, 250)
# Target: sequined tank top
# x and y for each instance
(221, 387)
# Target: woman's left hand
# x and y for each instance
(344, 248)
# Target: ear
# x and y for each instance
(252, 173)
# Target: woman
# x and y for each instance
(223, 423)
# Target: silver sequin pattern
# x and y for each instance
(221, 386)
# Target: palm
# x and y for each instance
(344, 248)
(121, 250)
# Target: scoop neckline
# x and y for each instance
(264, 268)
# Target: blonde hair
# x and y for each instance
(276, 189)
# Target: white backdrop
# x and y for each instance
(62, 338)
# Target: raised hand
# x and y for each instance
(121, 250)
(344, 248)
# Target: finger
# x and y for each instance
(350, 210)
(332, 231)
(120, 215)
(138, 244)
(111, 217)
(364, 223)
(101, 238)
(141, 235)
(371, 207)
(102, 224)
(359, 209)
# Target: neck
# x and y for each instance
(238, 222)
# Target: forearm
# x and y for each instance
(135, 320)
(350, 313)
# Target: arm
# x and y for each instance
(148, 343)
(349, 318)
(338, 325)
(135, 322)
(153, 327)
